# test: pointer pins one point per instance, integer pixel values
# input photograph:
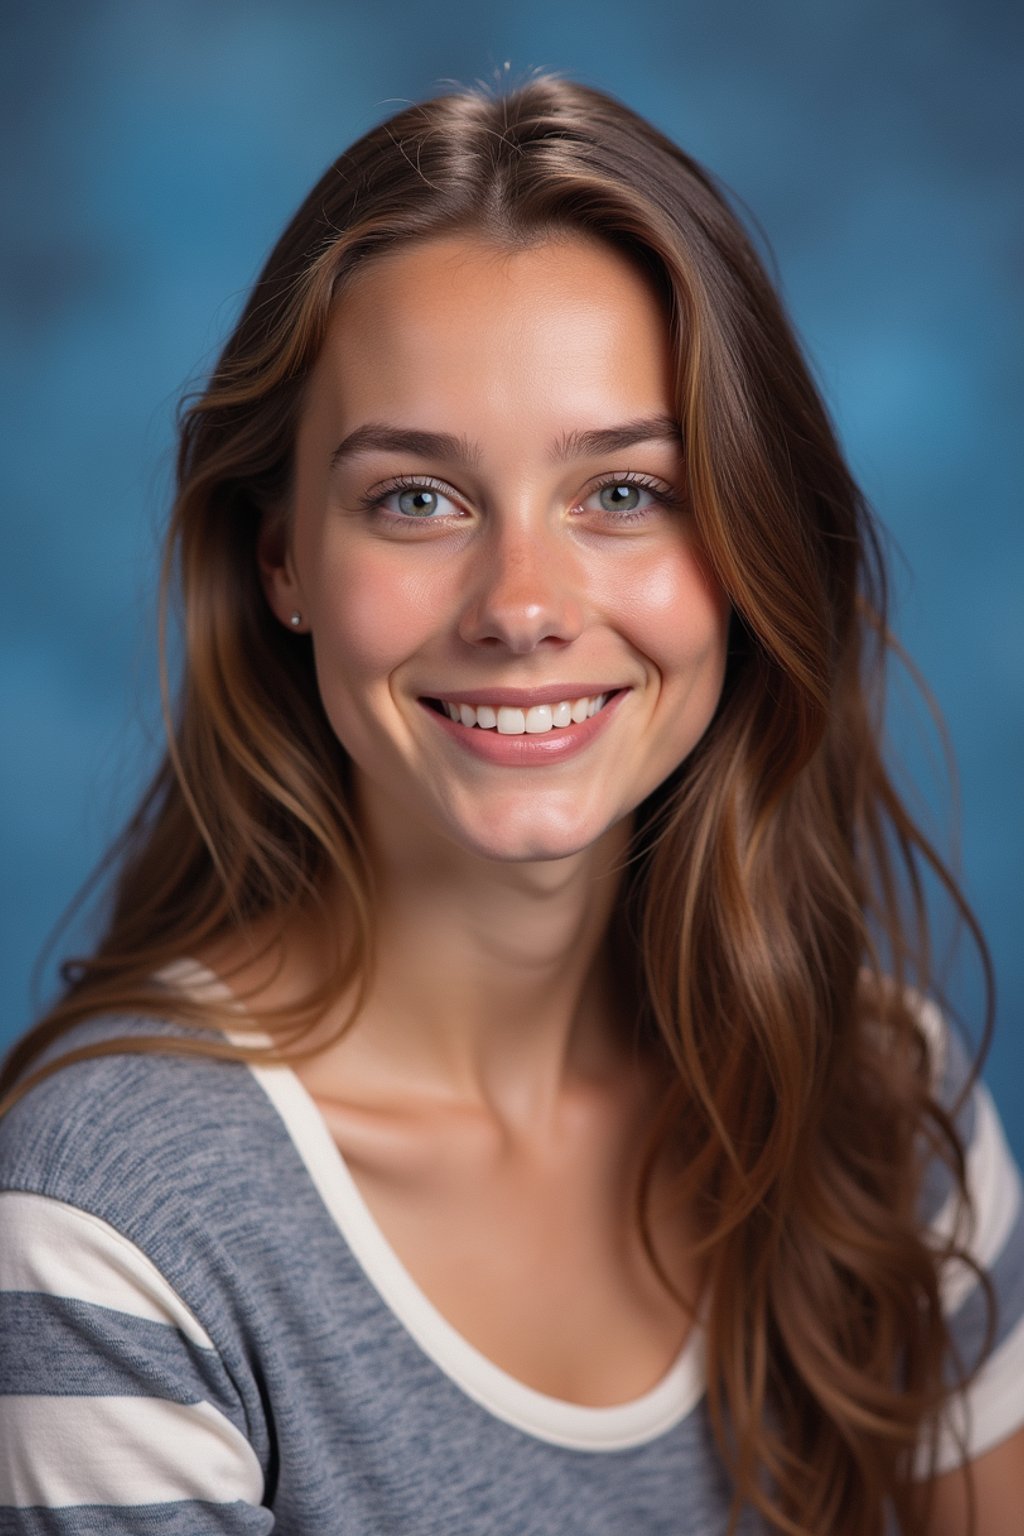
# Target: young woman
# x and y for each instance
(508, 1095)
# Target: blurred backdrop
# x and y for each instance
(153, 151)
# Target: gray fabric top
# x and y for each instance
(203, 1330)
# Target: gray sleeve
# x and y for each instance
(117, 1412)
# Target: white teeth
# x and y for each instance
(532, 721)
(511, 722)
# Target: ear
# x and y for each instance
(277, 570)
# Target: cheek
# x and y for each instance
(370, 613)
(679, 616)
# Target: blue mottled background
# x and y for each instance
(152, 152)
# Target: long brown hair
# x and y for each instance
(772, 916)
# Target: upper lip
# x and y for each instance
(551, 693)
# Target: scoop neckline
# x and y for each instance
(574, 1425)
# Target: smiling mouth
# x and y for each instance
(528, 720)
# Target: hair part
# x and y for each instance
(772, 920)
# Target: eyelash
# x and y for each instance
(372, 503)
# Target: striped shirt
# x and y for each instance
(204, 1330)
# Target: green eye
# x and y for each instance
(622, 497)
(419, 502)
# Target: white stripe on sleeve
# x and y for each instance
(122, 1450)
(49, 1246)
(995, 1187)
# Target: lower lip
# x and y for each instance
(527, 751)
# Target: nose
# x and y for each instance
(524, 589)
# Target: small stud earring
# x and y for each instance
(296, 619)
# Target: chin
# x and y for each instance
(535, 852)
(504, 842)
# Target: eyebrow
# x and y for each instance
(459, 450)
(423, 445)
(647, 429)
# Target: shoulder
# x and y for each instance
(980, 1241)
(991, 1176)
(133, 1137)
(124, 1180)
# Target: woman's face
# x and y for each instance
(489, 511)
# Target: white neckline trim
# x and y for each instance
(547, 1418)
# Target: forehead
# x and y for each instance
(457, 325)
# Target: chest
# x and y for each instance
(535, 1258)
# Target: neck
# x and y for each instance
(494, 987)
